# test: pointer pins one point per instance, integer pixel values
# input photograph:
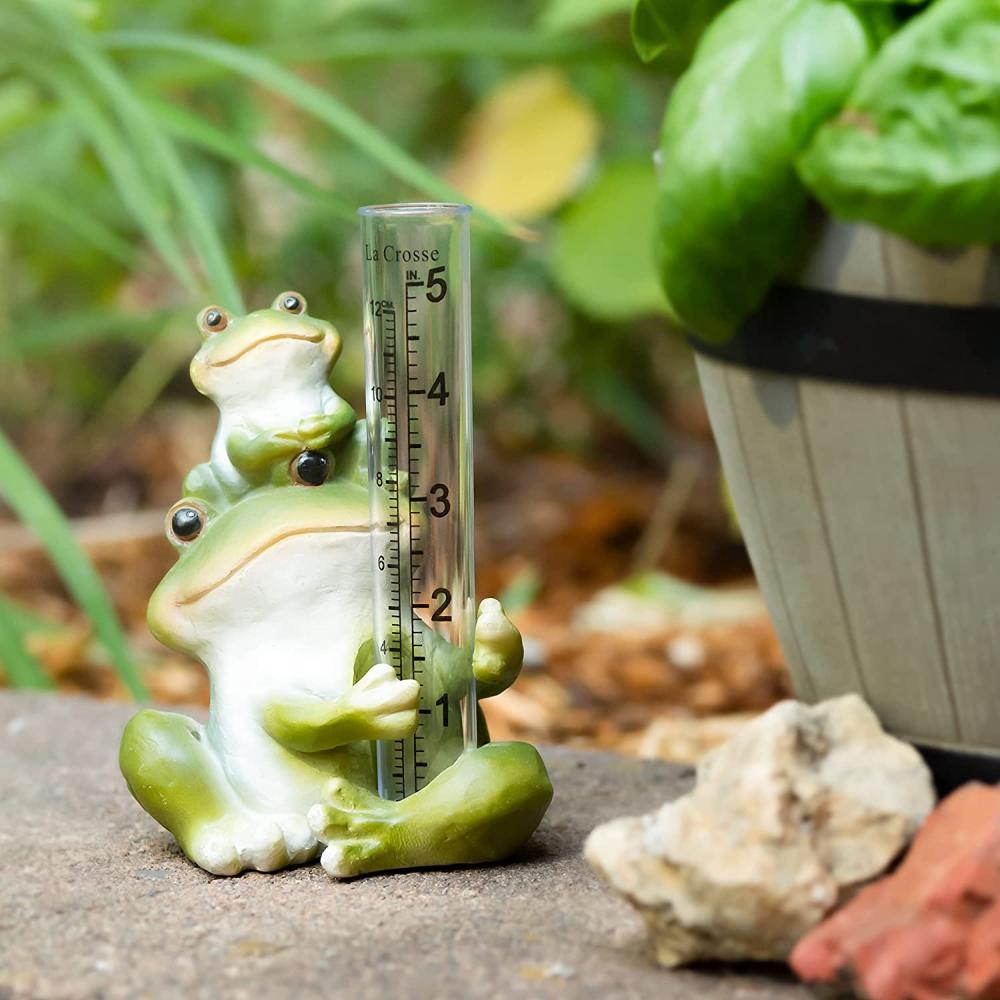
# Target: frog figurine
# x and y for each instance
(272, 591)
(268, 373)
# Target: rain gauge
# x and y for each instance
(419, 406)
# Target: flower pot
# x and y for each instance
(857, 414)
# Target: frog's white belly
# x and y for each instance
(290, 623)
(264, 775)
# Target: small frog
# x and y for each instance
(272, 591)
(268, 372)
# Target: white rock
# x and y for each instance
(787, 818)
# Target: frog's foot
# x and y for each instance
(482, 808)
(498, 651)
(245, 842)
(358, 828)
(176, 778)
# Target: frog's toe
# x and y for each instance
(345, 859)
(344, 794)
(328, 822)
(261, 845)
(216, 852)
(349, 811)
(300, 841)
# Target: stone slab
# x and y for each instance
(96, 901)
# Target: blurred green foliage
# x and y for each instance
(156, 155)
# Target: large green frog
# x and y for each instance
(272, 591)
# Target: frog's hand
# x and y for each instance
(325, 430)
(254, 455)
(498, 652)
(378, 707)
(341, 420)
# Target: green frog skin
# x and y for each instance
(272, 591)
(268, 372)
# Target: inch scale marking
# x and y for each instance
(406, 649)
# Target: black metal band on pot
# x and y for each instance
(868, 341)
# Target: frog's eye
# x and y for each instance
(185, 521)
(290, 302)
(310, 468)
(214, 319)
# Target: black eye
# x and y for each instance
(186, 523)
(291, 302)
(310, 468)
(213, 320)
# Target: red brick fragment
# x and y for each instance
(930, 930)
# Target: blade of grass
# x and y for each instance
(448, 41)
(69, 215)
(194, 129)
(26, 621)
(138, 389)
(21, 667)
(132, 185)
(310, 99)
(157, 152)
(617, 399)
(33, 505)
(39, 337)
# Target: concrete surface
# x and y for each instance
(96, 901)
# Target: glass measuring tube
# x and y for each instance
(417, 324)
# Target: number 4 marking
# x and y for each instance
(439, 389)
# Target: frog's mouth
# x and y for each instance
(310, 338)
(346, 529)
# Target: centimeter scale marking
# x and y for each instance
(405, 560)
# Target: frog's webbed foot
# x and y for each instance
(482, 808)
(358, 828)
(241, 843)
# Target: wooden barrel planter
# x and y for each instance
(857, 414)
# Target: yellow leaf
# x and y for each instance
(526, 146)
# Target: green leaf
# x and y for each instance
(766, 75)
(229, 146)
(310, 99)
(33, 505)
(917, 147)
(21, 667)
(671, 28)
(602, 255)
(572, 15)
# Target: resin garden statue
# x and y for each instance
(272, 591)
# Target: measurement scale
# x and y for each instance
(418, 399)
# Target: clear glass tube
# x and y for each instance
(417, 322)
